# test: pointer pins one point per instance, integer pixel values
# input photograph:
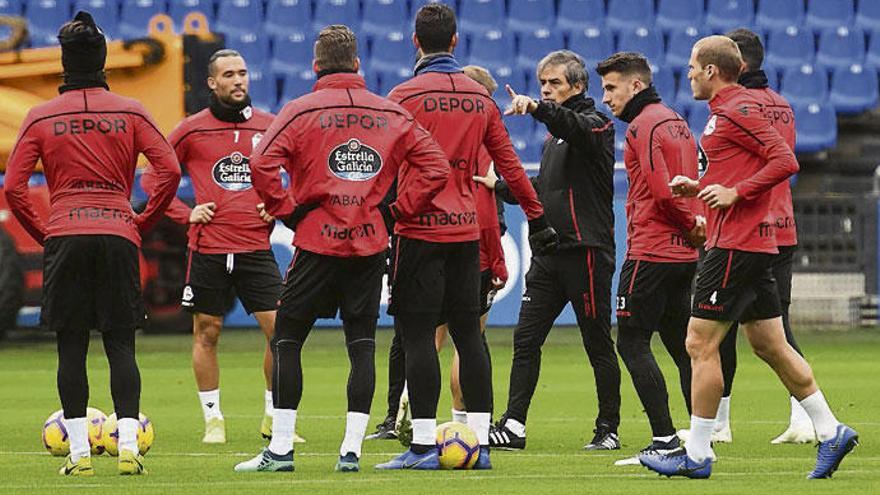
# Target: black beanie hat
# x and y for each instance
(84, 51)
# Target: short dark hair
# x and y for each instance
(336, 48)
(225, 52)
(575, 67)
(750, 46)
(628, 64)
(435, 27)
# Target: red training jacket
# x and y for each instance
(343, 147)
(745, 152)
(88, 141)
(659, 146)
(491, 252)
(463, 118)
(216, 155)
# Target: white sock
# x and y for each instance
(798, 415)
(267, 400)
(823, 419)
(722, 417)
(283, 426)
(78, 431)
(128, 428)
(210, 400)
(699, 445)
(479, 422)
(459, 416)
(516, 427)
(355, 429)
(424, 431)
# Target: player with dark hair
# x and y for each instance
(654, 290)
(88, 141)
(435, 256)
(747, 158)
(342, 147)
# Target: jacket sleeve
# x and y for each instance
(166, 169)
(757, 135)
(584, 130)
(503, 192)
(277, 149)
(21, 165)
(177, 210)
(507, 163)
(652, 162)
(429, 171)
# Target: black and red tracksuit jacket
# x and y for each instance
(88, 141)
(659, 146)
(781, 117)
(343, 147)
(745, 152)
(216, 155)
(463, 118)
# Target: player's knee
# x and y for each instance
(697, 347)
(206, 330)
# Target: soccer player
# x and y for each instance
(747, 158)
(575, 183)
(228, 241)
(342, 147)
(436, 260)
(654, 290)
(88, 140)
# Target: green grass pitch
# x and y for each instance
(847, 364)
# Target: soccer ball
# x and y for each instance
(457, 445)
(96, 419)
(55, 437)
(145, 435)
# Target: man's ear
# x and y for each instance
(212, 83)
(357, 64)
(453, 43)
(315, 67)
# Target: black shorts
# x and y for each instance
(211, 278)
(91, 281)
(736, 286)
(487, 295)
(318, 286)
(434, 277)
(648, 291)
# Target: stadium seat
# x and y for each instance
(619, 139)
(684, 97)
(577, 15)
(493, 50)
(526, 16)
(389, 79)
(868, 16)
(830, 13)
(372, 80)
(284, 16)
(790, 47)
(840, 47)
(664, 81)
(679, 14)
(479, 16)
(105, 13)
(533, 46)
(627, 15)
(11, 7)
(805, 85)
(643, 40)
(698, 116)
(872, 57)
(853, 90)
(519, 127)
(594, 88)
(417, 4)
(392, 52)
(724, 15)
(593, 44)
(178, 9)
(292, 54)
(262, 88)
(44, 19)
(777, 14)
(772, 74)
(254, 48)
(678, 51)
(329, 12)
(135, 16)
(296, 85)
(518, 81)
(816, 126)
(382, 16)
(240, 16)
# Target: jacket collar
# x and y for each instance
(754, 79)
(638, 102)
(579, 102)
(234, 114)
(340, 80)
(437, 62)
(725, 94)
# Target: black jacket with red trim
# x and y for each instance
(576, 179)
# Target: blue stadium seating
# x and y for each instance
(178, 9)
(284, 16)
(853, 89)
(698, 116)
(577, 15)
(254, 48)
(135, 16)
(516, 79)
(830, 13)
(530, 15)
(296, 85)
(105, 13)
(236, 17)
(872, 57)
(816, 127)
(389, 79)
(44, 19)
(790, 47)
(329, 12)
(533, 46)
(805, 85)
(664, 81)
(724, 15)
(292, 54)
(11, 7)
(679, 14)
(382, 16)
(868, 16)
(594, 88)
(372, 80)
(493, 50)
(517, 126)
(593, 44)
(840, 47)
(478, 16)
(643, 40)
(627, 15)
(778, 14)
(619, 138)
(417, 4)
(392, 52)
(262, 89)
(772, 76)
(678, 51)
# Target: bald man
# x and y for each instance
(747, 158)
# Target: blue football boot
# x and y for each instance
(676, 463)
(483, 461)
(831, 452)
(430, 460)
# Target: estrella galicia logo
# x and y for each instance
(354, 161)
(233, 172)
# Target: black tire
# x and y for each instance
(11, 283)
